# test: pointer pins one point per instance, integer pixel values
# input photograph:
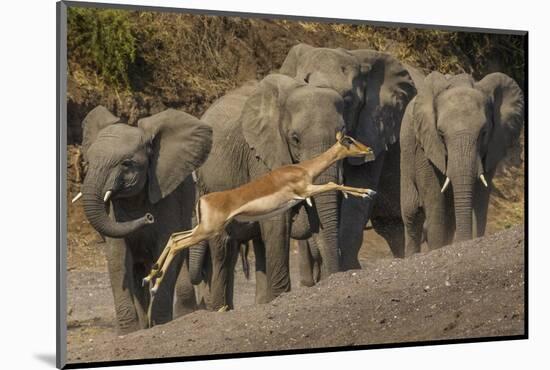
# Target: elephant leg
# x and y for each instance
(261, 277)
(318, 271)
(140, 294)
(393, 231)
(437, 206)
(437, 226)
(185, 300)
(233, 257)
(413, 218)
(163, 303)
(220, 251)
(354, 213)
(202, 290)
(306, 264)
(119, 263)
(275, 234)
(413, 224)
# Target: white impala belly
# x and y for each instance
(265, 207)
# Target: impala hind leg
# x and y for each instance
(176, 244)
(175, 237)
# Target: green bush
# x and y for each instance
(102, 39)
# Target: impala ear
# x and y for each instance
(389, 88)
(508, 115)
(261, 120)
(290, 64)
(180, 144)
(425, 118)
(95, 121)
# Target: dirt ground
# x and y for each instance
(468, 290)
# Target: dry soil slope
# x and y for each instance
(472, 289)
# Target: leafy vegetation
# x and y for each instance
(102, 39)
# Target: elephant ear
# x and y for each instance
(180, 143)
(508, 117)
(389, 88)
(261, 120)
(290, 64)
(425, 119)
(95, 121)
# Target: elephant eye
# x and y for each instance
(128, 163)
(348, 98)
(295, 138)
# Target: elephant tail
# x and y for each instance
(243, 251)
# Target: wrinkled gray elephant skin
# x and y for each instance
(136, 193)
(454, 134)
(259, 127)
(376, 89)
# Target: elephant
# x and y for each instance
(137, 192)
(376, 89)
(256, 128)
(453, 135)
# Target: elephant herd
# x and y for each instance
(437, 140)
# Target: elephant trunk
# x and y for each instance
(462, 172)
(327, 209)
(196, 262)
(96, 213)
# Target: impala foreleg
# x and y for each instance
(313, 190)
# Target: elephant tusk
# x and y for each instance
(77, 197)
(107, 196)
(482, 178)
(445, 185)
(308, 201)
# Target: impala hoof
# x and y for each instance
(145, 281)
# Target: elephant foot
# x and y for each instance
(127, 329)
(307, 283)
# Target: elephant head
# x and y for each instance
(124, 161)
(376, 89)
(286, 121)
(464, 128)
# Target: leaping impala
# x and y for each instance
(264, 197)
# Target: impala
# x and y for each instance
(269, 195)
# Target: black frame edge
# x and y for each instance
(292, 17)
(61, 186)
(61, 115)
